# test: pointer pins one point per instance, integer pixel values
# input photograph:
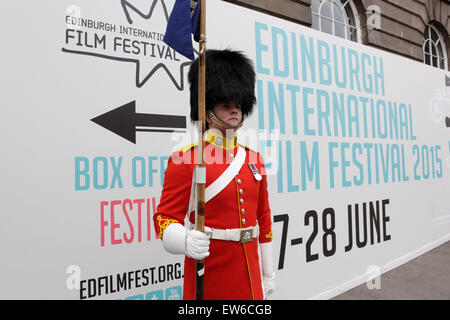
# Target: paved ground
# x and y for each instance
(425, 277)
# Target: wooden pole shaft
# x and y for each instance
(200, 266)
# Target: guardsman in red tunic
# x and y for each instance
(237, 212)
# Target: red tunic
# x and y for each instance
(232, 269)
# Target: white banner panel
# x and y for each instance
(356, 142)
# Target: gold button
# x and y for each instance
(241, 191)
(242, 211)
(242, 201)
(243, 221)
(239, 181)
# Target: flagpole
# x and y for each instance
(199, 266)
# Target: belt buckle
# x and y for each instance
(246, 235)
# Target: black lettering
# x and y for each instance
(102, 282)
(126, 45)
(100, 41)
(161, 274)
(361, 243)
(308, 216)
(374, 221)
(137, 278)
(152, 274)
(112, 284)
(160, 50)
(82, 289)
(135, 45)
(386, 236)
(145, 281)
(69, 35)
(92, 291)
(122, 282)
(350, 227)
(169, 272)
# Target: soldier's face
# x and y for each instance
(230, 113)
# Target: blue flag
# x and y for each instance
(183, 21)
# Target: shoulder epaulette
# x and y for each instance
(187, 147)
(247, 148)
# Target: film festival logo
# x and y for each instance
(139, 42)
(137, 39)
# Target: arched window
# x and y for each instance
(434, 51)
(337, 17)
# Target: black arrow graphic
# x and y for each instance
(124, 121)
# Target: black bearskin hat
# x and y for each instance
(230, 77)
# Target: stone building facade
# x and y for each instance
(417, 29)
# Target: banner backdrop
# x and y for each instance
(356, 143)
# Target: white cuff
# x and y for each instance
(174, 239)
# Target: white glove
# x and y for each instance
(197, 244)
(267, 268)
(193, 243)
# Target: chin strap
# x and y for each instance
(222, 123)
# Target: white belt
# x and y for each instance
(239, 234)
